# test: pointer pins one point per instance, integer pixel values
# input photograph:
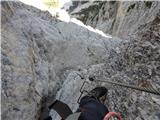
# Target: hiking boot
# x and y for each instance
(99, 93)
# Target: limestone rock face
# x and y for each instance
(37, 50)
(43, 57)
(117, 18)
(135, 62)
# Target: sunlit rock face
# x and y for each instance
(44, 57)
(114, 17)
(135, 62)
(39, 53)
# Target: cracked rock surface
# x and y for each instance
(44, 57)
(119, 18)
(37, 50)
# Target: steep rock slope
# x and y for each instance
(135, 62)
(117, 18)
(45, 57)
(37, 50)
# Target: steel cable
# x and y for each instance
(145, 89)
